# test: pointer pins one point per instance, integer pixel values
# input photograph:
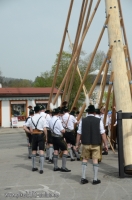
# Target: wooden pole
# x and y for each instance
(100, 71)
(80, 22)
(104, 82)
(108, 96)
(75, 67)
(76, 53)
(128, 70)
(125, 37)
(89, 64)
(59, 57)
(121, 84)
(84, 88)
(113, 120)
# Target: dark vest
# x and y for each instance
(91, 131)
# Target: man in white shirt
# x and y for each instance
(49, 146)
(37, 126)
(28, 134)
(58, 141)
(91, 130)
(68, 122)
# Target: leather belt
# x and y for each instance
(36, 131)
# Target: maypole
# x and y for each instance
(120, 83)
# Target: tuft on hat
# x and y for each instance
(42, 107)
(37, 109)
(55, 111)
(65, 109)
(90, 109)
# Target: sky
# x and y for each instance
(31, 33)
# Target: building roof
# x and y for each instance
(37, 91)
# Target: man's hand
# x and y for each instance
(77, 147)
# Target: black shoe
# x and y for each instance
(47, 158)
(65, 170)
(96, 182)
(37, 154)
(56, 169)
(84, 181)
(34, 169)
(79, 152)
(68, 156)
(72, 159)
(78, 159)
(41, 171)
(29, 157)
(50, 161)
(105, 153)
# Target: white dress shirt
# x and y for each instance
(102, 130)
(68, 121)
(56, 123)
(41, 124)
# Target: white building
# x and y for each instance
(98, 88)
(14, 102)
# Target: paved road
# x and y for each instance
(16, 177)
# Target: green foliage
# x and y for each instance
(17, 83)
(46, 78)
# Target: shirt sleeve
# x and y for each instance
(79, 131)
(28, 123)
(102, 130)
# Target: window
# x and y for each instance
(44, 103)
(18, 109)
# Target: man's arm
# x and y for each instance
(26, 129)
(63, 131)
(45, 131)
(104, 141)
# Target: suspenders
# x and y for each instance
(36, 130)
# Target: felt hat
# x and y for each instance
(48, 111)
(41, 107)
(55, 111)
(91, 109)
(37, 109)
(97, 111)
(31, 112)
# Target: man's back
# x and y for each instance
(91, 131)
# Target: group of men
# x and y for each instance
(57, 132)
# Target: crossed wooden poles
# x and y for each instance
(67, 83)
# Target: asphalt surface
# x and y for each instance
(17, 181)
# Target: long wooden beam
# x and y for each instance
(100, 71)
(104, 83)
(75, 66)
(125, 36)
(80, 22)
(76, 53)
(60, 53)
(90, 62)
(84, 88)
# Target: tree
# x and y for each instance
(97, 61)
